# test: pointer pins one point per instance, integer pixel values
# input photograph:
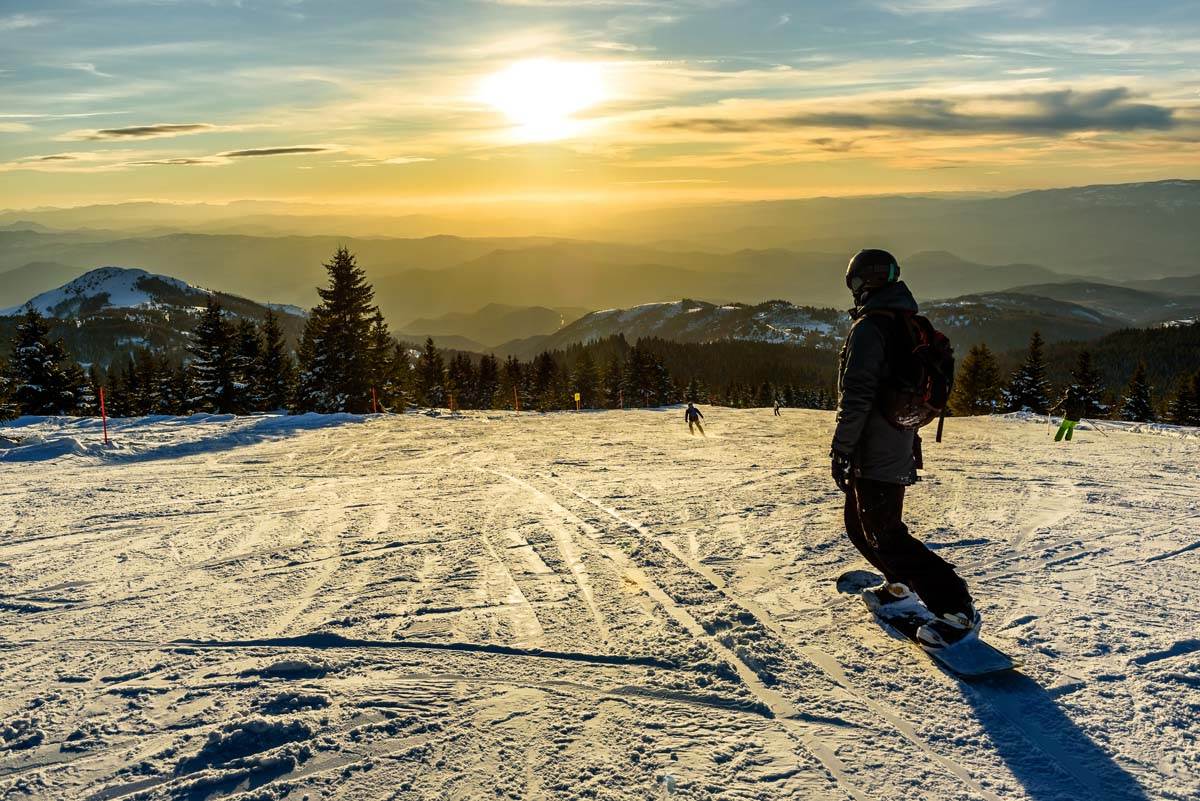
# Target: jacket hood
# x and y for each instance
(895, 296)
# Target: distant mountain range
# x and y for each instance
(105, 313)
(1003, 320)
(1093, 231)
(493, 325)
(696, 321)
(1134, 307)
(736, 252)
(462, 275)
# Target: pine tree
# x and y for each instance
(1091, 386)
(511, 381)
(586, 381)
(977, 383)
(695, 392)
(1137, 406)
(311, 374)
(246, 357)
(144, 374)
(90, 404)
(8, 404)
(639, 380)
(41, 379)
(174, 388)
(1185, 409)
(335, 350)
(275, 369)
(395, 395)
(460, 381)
(213, 347)
(431, 376)
(488, 383)
(765, 395)
(612, 382)
(381, 363)
(544, 371)
(1028, 390)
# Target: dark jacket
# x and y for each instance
(1073, 404)
(877, 449)
(692, 414)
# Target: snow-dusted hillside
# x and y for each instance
(109, 310)
(580, 606)
(1002, 319)
(115, 287)
(697, 321)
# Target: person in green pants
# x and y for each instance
(1072, 406)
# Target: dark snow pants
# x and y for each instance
(874, 511)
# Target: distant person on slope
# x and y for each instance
(874, 461)
(1072, 406)
(777, 405)
(693, 417)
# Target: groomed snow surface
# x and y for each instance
(587, 605)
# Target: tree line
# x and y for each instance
(348, 361)
(980, 388)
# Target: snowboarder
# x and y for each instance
(1072, 405)
(874, 461)
(777, 405)
(693, 417)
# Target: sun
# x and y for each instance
(541, 96)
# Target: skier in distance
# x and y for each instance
(1072, 406)
(874, 461)
(693, 417)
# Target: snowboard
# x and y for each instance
(971, 658)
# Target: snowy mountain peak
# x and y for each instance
(115, 287)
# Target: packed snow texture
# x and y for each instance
(580, 605)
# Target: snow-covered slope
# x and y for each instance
(1004, 320)
(109, 310)
(581, 606)
(115, 287)
(698, 321)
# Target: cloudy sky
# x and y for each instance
(414, 103)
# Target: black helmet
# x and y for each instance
(871, 269)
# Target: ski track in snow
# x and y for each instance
(571, 606)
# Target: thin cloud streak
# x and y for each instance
(155, 131)
(276, 151)
(1049, 113)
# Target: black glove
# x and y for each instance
(842, 470)
(918, 458)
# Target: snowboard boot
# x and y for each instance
(948, 629)
(895, 597)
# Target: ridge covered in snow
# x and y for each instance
(698, 321)
(115, 287)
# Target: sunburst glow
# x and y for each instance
(542, 96)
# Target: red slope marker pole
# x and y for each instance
(103, 416)
(374, 402)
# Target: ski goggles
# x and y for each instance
(857, 282)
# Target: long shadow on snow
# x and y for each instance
(1051, 756)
